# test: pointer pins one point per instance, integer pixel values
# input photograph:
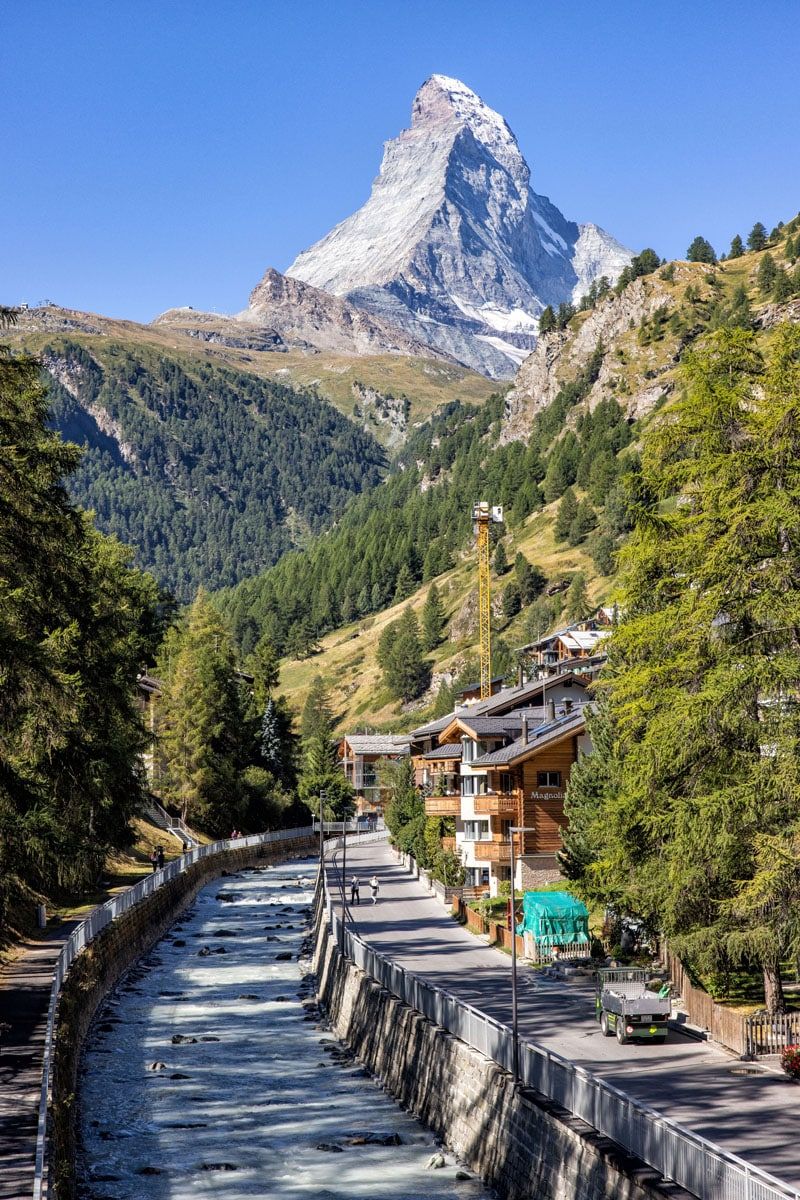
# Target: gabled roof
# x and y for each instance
(519, 696)
(378, 743)
(538, 737)
(449, 750)
(432, 727)
(479, 727)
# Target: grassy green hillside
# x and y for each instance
(616, 363)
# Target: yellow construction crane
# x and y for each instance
(484, 515)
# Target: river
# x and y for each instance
(210, 1072)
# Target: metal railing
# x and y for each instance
(676, 1153)
(84, 933)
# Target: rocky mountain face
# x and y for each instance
(286, 314)
(453, 246)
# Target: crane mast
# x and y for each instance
(484, 515)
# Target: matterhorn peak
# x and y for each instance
(453, 246)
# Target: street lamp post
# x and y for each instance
(322, 799)
(514, 1018)
(344, 883)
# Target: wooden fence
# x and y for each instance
(722, 1024)
(770, 1035)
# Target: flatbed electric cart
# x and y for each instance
(626, 1007)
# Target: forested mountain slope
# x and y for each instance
(560, 452)
(209, 474)
(211, 462)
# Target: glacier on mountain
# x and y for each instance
(453, 246)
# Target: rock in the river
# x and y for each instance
(221, 1166)
(157, 1066)
(180, 1039)
(329, 1147)
(284, 956)
(435, 1162)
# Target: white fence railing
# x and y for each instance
(84, 933)
(678, 1154)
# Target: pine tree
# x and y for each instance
(565, 515)
(766, 274)
(547, 321)
(270, 741)
(500, 560)
(433, 619)
(782, 287)
(737, 247)
(701, 250)
(512, 601)
(577, 602)
(264, 665)
(583, 523)
(405, 584)
(317, 717)
(757, 238)
(76, 625)
(406, 673)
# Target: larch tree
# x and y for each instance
(203, 733)
(699, 832)
(433, 619)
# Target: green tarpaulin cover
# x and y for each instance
(554, 918)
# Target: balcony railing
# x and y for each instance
(443, 806)
(498, 804)
(494, 850)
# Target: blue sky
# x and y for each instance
(160, 152)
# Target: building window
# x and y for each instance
(468, 750)
(473, 785)
(506, 783)
(548, 779)
(476, 831)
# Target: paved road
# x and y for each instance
(24, 997)
(694, 1083)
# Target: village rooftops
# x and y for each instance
(538, 737)
(431, 728)
(378, 743)
(452, 750)
(518, 696)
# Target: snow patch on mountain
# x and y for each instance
(453, 246)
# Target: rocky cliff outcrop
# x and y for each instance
(630, 372)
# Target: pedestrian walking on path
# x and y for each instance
(160, 856)
(154, 860)
(355, 892)
(374, 885)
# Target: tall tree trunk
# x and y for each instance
(773, 990)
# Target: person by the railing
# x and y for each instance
(160, 856)
(154, 860)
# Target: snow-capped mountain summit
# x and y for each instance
(453, 245)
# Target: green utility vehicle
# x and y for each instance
(626, 1006)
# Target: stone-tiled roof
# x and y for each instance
(377, 743)
(432, 727)
(539, 736)
(449, 750)
(519, 696)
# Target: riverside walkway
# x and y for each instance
(694, 1083)
(25, 985)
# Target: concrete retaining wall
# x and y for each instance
(520, 1143)
(98, 968)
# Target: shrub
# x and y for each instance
(790, 1061)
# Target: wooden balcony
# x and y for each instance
(498, 804)
(449, 845)
(442, 806)
(496, 850)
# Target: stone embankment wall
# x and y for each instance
(522, 1144)
(98, 968)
